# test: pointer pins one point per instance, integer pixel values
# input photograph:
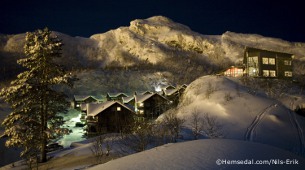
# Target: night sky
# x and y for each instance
(84, 18)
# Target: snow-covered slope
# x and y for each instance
(262, 128)
(203, 154)
(244, 115)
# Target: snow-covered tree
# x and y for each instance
(35, 103)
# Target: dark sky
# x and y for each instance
(275, 18)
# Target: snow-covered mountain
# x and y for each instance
(156, 44)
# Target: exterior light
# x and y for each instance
(118, 108)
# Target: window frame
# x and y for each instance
(266, 73)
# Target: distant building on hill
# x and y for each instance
(268, 64)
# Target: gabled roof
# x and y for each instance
(84, 97)
(169, 87)
(145, 92)
(170, 91)
(127, 99)
(116, 94)
(143, 98)
(96, 108)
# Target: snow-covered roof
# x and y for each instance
(169, 87)
(94, 109)
(145, 92)
(116, 94)
(127, 99)
(84, 97)
(142, 98)
(170, 91)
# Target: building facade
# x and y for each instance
(268, 64)
(107, 117)
(151, 105)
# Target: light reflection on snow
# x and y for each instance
(77, 133)
(76, 119)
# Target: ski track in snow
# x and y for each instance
(251, 130)
(299, 129)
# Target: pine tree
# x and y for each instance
(35, 103)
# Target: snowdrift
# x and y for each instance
(244, 115)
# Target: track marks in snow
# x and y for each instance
(251, 130)
(295, 124)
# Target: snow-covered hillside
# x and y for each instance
(245, 115)
(207, 154)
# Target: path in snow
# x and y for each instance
(295, 123)
(251, 130)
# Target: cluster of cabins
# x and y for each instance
(116, 111)
(264, 64)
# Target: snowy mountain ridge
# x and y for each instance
(156, 39)
(157, 46)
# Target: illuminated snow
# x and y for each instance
(77, 133)
(76, 119)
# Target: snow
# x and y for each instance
(77, 133)
(254, 127)
(203, 154)
(246, 116)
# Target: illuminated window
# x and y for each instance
(265, 60)
(288, 74)
(253, 61)
(141, 111)
(141, 104)
(266, 73)
(287, 62)
(272, 61)
(272, 73)
(118, 108)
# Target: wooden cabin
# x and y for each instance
(151, 105)
(79, 100)
(268, 64)
(107, 117)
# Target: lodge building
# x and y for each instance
(267, 64)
